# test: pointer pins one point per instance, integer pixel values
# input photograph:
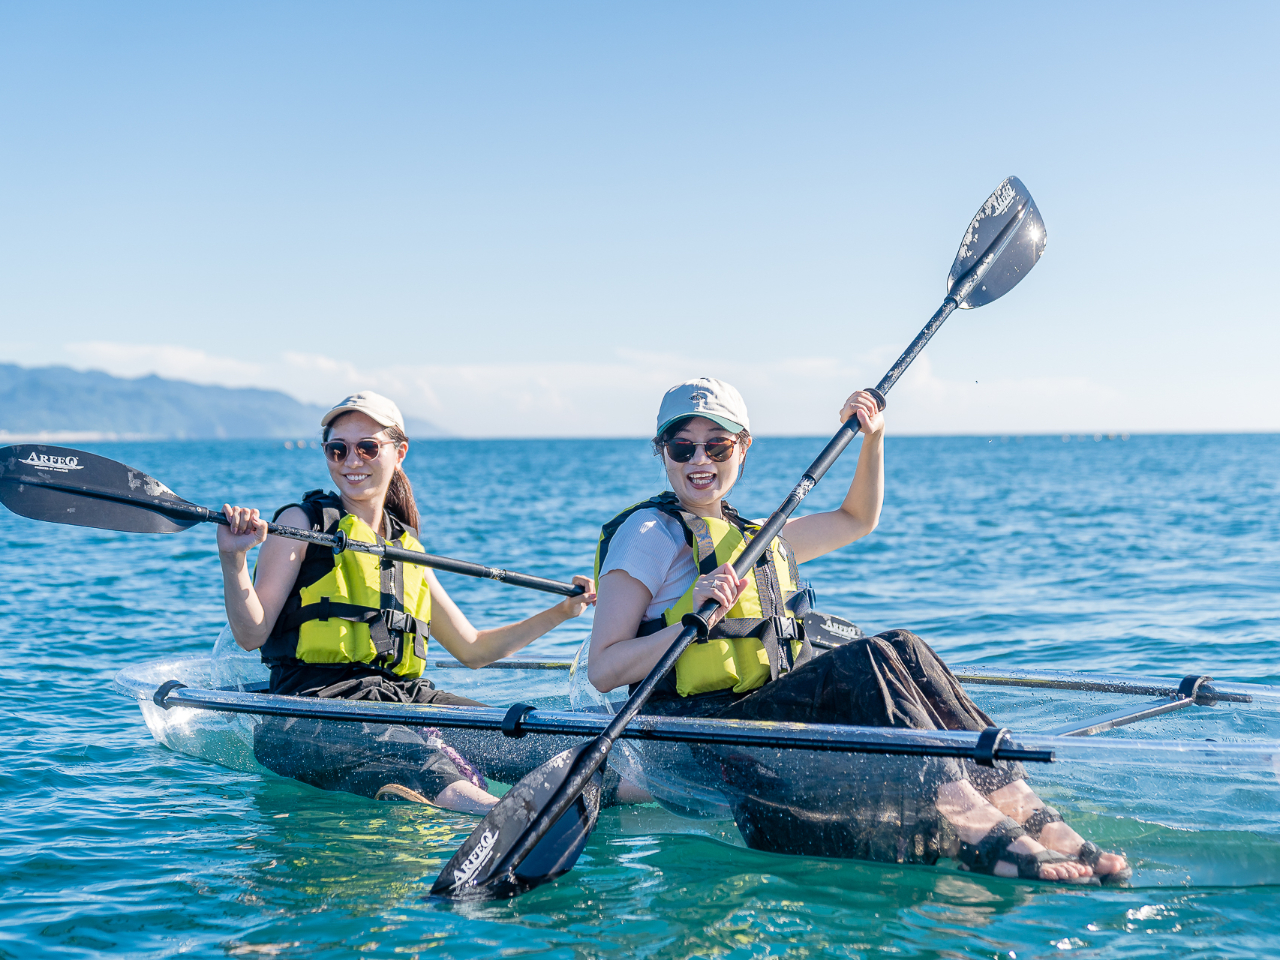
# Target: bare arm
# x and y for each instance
(476, 648)
(617, 656)
(821, 533)
(252, 607)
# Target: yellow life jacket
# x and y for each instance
(761, 636)
(353, 607)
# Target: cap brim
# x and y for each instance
(722, 421)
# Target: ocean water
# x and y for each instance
(1158, 555)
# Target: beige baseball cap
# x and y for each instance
(704, 397)
(373, 405)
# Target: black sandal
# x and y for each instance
(1090, 854)
(1041, 818)
(993, 848)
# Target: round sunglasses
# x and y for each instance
(719, 450)
(336, 450)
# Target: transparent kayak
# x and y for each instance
(1182, 776)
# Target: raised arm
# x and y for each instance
(476, 648)
(820, 533)
(253, 606)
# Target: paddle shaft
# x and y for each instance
(592, 759)
(342, 542)
(183, 511)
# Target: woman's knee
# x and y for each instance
(910, 648)
(902, 640)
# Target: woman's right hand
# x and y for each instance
(245, 532)
(721, 585)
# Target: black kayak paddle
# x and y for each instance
(537, 830)
(62, 485)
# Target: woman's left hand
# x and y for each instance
(574, 606)
(863, 405)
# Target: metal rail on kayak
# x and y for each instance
(1193, 689)
(1101, 683)
(1044, 679)
(522, 719)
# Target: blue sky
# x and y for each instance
(531, 218)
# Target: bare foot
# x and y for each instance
(1016, 800)
(1067, 870)
(973, 818)
(1019, 801)
(1060, 837)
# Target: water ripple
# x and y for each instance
(1159, 554)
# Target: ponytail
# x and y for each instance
(400, 502)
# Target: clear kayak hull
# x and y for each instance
(1191, 795)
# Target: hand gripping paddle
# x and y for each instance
(62, 485)
(536, 832)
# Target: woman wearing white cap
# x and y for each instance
(346, 627)
(664, 557)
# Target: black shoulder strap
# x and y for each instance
(665, 502)
(324, 513)
(315, 504)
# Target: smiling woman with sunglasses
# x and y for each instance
(665, 557)
(348, 627)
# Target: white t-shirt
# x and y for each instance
(650, 546)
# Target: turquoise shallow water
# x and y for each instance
(1156, 554)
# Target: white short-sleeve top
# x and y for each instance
(650, 546)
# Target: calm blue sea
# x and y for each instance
(1152, 554)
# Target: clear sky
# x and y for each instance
(529, 219)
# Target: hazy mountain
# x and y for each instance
(61, 400)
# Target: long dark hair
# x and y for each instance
(400, 503)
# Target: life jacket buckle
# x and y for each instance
(786, 628)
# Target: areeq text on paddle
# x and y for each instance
(538, 829)
(62, 485)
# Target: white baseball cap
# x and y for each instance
(704, 397)
(373, 405)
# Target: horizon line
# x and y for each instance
(56, 437)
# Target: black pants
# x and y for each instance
(358, 758)
(849, 805)
(362, 758)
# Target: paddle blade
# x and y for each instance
(830, 629)
(473, 873)
(62, 485)
(1020, 253)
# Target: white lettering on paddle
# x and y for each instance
(847, 630)
(44, 462)
(479, 856)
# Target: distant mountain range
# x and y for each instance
(58, 403)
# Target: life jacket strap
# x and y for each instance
(776, 634)
(649, 627)
(381, 623)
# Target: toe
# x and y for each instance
(1111, 863)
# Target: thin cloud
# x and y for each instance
(618, 397)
